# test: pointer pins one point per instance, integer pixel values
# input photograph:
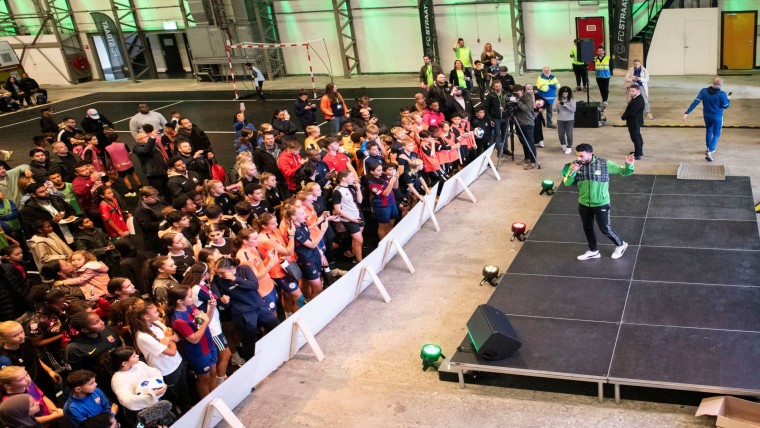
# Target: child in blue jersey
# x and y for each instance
(86, 399)
(197, 346)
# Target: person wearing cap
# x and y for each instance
(97, 124)
(145, 116)
(47, 123)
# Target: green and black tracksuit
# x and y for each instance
(593, 180)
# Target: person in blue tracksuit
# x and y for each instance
(714, 101)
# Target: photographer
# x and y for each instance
(525, 118)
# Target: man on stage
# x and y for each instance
(593, 176)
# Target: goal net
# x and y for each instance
(285, 68)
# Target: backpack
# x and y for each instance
(41, 98)
(218, 173)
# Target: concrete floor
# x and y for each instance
(372, 376)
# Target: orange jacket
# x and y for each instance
(324, 105)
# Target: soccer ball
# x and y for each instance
(148, 385)
(478, 133)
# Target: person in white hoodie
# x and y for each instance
(129, 374)
(638, 75)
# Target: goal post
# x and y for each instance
(275, 61)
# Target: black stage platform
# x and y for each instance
(678, 311)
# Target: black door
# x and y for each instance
(171, 53)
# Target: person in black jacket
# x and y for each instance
(464, 80)
(39, 164)
(40, 206)
(458, 102)
(265, 158)
(14, 288)
(496, 110)
(198, 161)
(90, 238)
(97, 124)
(17, 91)
(439, 90)
(283, 127)
(192, 133)
(305, 110)
(634, 119)
(31, 86)
(181, 181)
(148, 216)
(152, 159)
(47, 123)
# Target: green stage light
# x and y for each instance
(430, 355)
(547, 186)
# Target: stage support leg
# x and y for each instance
(460, 373)
(601, 392)
(617, 393)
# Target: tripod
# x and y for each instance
(513, 128)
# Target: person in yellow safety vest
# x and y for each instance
(580, 69)
(464, 54)
(547, 85)
(603, 74)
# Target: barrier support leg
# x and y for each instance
(300, 325)
(432, 216)
(465, 189)
(224, 411)
(401, 253)
(493, 168)
(368, 270)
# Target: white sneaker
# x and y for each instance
(649, 116)
(568, 150)
(540, 144)
(589, 255)
(237, 360)
(618, 253)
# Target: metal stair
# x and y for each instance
(654, 9)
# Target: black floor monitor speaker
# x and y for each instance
(587, 116)
(585, 49)
(491, 333)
